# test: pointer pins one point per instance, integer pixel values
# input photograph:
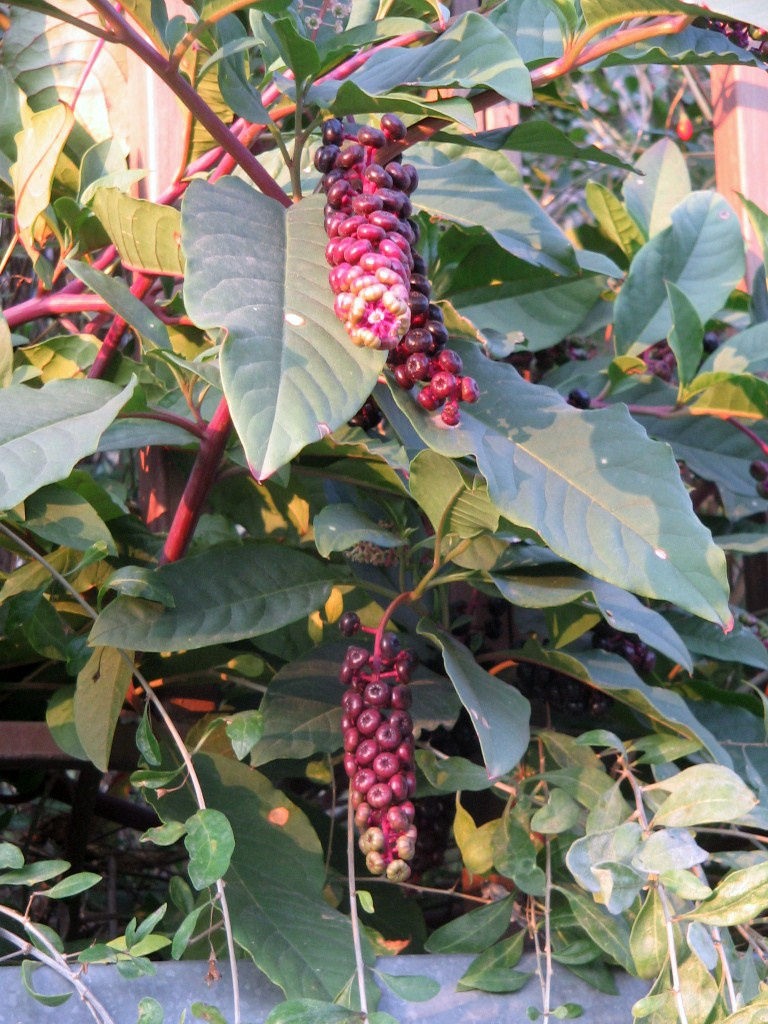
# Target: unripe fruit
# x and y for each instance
(398, 871)
(375, 863)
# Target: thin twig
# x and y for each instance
(353, 914)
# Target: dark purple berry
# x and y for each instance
(759, 469)
(393, 127)
(367, 135)
(366, 751)
(377, 693)
(333, 132)
(579, 398)
(402, 698)
(325, 158)
(390, 646)
(376, 174)
(369, 720)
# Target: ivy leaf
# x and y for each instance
(290, 373)
(45, 432)
(703, 794)
(499, 713)
(219, 595)
(629, 518)
(702, 252)
(209, 841)
(147, 236)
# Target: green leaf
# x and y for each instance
(751, 11)
(559, 814)
(33, 874)
(668, 849)
(6, 348)
(514, 853)
(209, 842)
(120, 298)
(662, 182)
(148, 746)
(601, 864)
(366, 901)
(706, 640)
(45, 432)
(473, 196)
(39, 147)
(443, 490)
(471, 53)
(339, 527)
(704, 793)
(728, 394)
(290, 373)
(488, 700)
(219, 595)
(147, 236)
(531, 137)
(11, 856)
(136, 581)
(541, 456)
(165, 835)
(702, 252)
(63, 517)
(614, 219)
(299, 53)
(245, 730)
(185, 931)
(310, 1011)
(73, 885)
(101, 688)
(536, 28)
(686, 336)
(472, 932)
(685, 885)
(449, 774)
(492, 970)
(415, 988)
(60, 719)
(745, 352)
(28, 968)
(610, 932)
(150, 1011)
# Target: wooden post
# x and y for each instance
(740, 107)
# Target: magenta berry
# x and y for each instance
(369, 719)
(393, 127)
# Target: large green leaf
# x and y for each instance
(471, 53)
(275, 882)
(536, 27)
(751, 11)
(661, 183)
(449, 496)
(592, 484)
(745, 352)
(702, 252)
(499, 713)
(472, 932)
(290, 373)
(738, 899)
(44, 432)
(609, 931)
(473, 196)
(691, 46)
(703, 794)
(147, 236)
(220, 595)
(64, 517)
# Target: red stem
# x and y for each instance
(167, 417)
(388, 613)
(54, 305)
(750, 434)
(214, 440)
(109, 346)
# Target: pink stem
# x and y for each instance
(750, 434)
(214, 440)
(163, 416)
(54, 305)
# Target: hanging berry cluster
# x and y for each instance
(378, 750)
(628, 645)
(380, 283)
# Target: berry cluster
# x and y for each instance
(561, 692)
(628, 645)
(378, 750)
(741, 33)
(382, 293)
(660, 360)
(434, 815)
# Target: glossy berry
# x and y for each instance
(684, 127)
(393, 127)
(390, 646)
(370, 136)
(349, 623)
(758, 469)
(333, 132)
(579, 398)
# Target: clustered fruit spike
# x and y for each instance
(378, 750)
(741, 33)
(628, 645)
(382, 293)
(660, 360)
(561, 692)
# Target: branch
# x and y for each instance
(163, 416)
(54, 305)
(124, 33)
(214, 440)
(109, 346)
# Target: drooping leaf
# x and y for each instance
(499, 713)
(147, 236)
(290, 372)
(475, 842)
(629, 518)
(219, 595)
(46, 431)
(28, 968)
(101, 688)
(738, 899)
(685, 337)
(449, 774)
(609, 931)
(125, 304)
(701, 251)
(648, 940)
(514, 853)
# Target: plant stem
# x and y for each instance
(750, 434)
(212, 445)
(353, 915)
(109, 346)
(124, 33)
(54, 305)
(166, 417)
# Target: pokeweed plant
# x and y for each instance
(278, 320)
